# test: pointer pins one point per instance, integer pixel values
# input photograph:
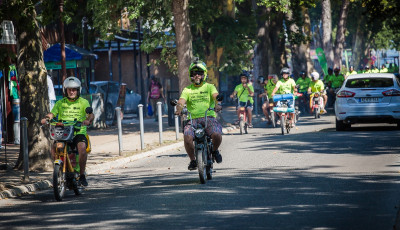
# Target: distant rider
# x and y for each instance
(198, 97)
(317, 86)
(285, 86)
(70, 108)
(245, 92)
(269, 86)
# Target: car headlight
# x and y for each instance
(199, 133)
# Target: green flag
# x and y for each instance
(322, 60)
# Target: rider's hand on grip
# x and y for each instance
(218, 108)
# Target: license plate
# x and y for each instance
(369, 100)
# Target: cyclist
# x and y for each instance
(245, 91)
(302, 84)
(328, 76)
(269, 85)
(351, 71)
(317, 86)
(335, 81)
(72, 107)
(286, 85)
(198, 97)
(384, 69)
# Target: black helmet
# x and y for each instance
(330, 70)
(260, 79)
(303, 73)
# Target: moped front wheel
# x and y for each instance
(59, 182)
(201, 164)
(283, 120)
(241, 126)
(316, 113)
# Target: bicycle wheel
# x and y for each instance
(201, 163)
(59, 181)
(246, 128)
(241, 126)
(283, 120)
(273, 119)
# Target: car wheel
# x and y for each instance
(340, 125)
(109, 112)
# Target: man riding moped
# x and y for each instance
(285, 86)
(198, 97)
(317, 86)
(73, 107)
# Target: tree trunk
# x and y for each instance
(277, 43)
(358, 41)
(183, 40)
(33, 85)
(327, 31)
(340, 35)
(260, 69)
(307, 31)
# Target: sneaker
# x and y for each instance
(250, 125)
(278, 122)
(217, 156)
(236, 122)
(323, 111)
(82, 180)
(192, 165)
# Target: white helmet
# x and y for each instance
(314, 76)
(72, 82)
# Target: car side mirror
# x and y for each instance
(89, 110)
(173, 102)
(220, 97)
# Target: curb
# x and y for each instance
(226, 130)
(45, 184)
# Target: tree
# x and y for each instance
(33, 85)
(327, 31)
(183, 40)
(340, 35)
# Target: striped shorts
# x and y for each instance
(213, 126)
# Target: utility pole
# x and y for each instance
(62, 37)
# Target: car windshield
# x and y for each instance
(369, 83)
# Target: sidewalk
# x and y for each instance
(105, 152)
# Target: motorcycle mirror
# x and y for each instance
(220, 97)
(173, 102)
(89, 110)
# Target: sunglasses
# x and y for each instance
(194, 73)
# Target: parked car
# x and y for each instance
(368, 98)
(131, 99)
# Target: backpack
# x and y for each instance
(155, 91)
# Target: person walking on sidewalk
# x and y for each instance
(246, 92)
(155, 94)
(198, 97)
(70, 108)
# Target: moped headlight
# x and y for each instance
(199, 133)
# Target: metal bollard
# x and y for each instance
(159, 113)
(24, 132)
(118, 113)
(141, 126)
(176, 124)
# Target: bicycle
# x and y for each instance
(66, 169)
(284, 111)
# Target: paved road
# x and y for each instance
(313, 178)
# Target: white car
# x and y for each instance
(368, 98)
